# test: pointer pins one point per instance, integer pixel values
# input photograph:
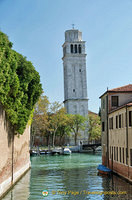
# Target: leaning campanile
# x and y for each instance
(74, 67)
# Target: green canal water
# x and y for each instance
(71, 177)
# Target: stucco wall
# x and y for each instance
(14, 154)
(104, 133)
(117, 139)
(123, 99)
(119, 162)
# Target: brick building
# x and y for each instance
(14, 154)
(116, 119)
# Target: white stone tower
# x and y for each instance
(74, 66)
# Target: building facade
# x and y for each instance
(116, 118)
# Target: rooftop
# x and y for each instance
(126, 88)
(123, 88)
(92, 113)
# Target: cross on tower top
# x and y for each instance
(73, 26)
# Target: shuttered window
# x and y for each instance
(114, 101)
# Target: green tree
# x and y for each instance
(77, 124)
(40, 117)
(64, 128)
(20, 85)
(94, 127)
(56, 119)
(49, 119)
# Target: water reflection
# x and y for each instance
(20, 190)
(122, 189)
(68, 177)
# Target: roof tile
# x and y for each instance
(125, 88)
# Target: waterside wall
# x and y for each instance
(14, 154)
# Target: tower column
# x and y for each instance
(75, 80)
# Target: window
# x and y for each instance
(75, 48)
(122, 120)
(111, 123)
(126, 157)
(71, 48)
(119, 121)
(103, 126)
(120, 154)
(130, 118)
(123, 154)
(131, 157)
(79, 48)
(114, 101)
(114, 154)
(117, 153)
(125, 120)
(110, 152)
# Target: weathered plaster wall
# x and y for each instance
(14, 154)
(117, 140)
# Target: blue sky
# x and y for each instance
(36, 28)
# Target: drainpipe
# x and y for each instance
(107, 133)
(127, 138)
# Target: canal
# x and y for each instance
(71, 177)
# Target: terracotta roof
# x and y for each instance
(125, 88)
(92, 113)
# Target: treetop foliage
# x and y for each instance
(94, 127)
(20, 86)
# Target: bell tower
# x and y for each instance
(74, 68)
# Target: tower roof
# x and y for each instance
(73, 35)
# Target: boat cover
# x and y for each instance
(103, 168)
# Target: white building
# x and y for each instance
(75, 82)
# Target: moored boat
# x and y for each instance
(42, 152)
(66, 151)
(34, 153)
(104, 170)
